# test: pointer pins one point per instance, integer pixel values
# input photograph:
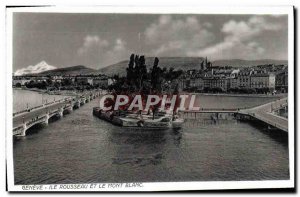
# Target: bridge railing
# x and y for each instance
(20, 112)
(34, 120)
(211, 109)
(53, 112)
(272, 123)
(278, 106)
(40, 106)
(17, 128)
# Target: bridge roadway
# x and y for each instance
(266, 114)
(263, 113)
(25, 117)
(25, 120)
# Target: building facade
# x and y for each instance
(263, 80)
(281, 81)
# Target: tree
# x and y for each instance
(130, 70)
(156, 75)
(116, 77)
(30, 84)
(49, 81)
(141, 72)
(57, 85)
(66, 82)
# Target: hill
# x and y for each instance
(72, 70)
(244, 63)
(184, 63)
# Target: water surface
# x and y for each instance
(80, 148)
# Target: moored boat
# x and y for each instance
(121, 118)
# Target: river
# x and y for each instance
(80, 148)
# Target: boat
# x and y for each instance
(124, 119)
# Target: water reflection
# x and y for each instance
(203, 123)
(138, 147)
(177, 136)
(137, 136)
(274, 133)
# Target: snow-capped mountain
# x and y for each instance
(40, 67)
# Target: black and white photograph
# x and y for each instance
(149, 99)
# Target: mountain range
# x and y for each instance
(184, 63)
(38, 68)
(72, 70)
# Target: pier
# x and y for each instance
(25, 119)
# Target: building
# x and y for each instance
(90, 80)
(263, 81)
(222, 83)
(281, 80)
(250, 79)
(182, 84)
(82, 80)
(18, 82)
(196, 81)
(100, 81)
(58, 79)
(204, 65)
(233, 82)
(244, 78)
(110, 81)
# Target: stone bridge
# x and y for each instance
(41, 114)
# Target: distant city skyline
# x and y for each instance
(98, 40)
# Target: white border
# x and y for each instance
(161, 186)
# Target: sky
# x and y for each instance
(98, 40)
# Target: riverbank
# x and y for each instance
(61, 92)
(25, 99)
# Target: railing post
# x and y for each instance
(61, 110)
(24, 129)
(47, 119)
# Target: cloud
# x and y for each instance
(119, 45)
(40, 67)
(116, 53)
(96, 51)
(278, 15)
(177, 36)
(92, 43)
(240, 39)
